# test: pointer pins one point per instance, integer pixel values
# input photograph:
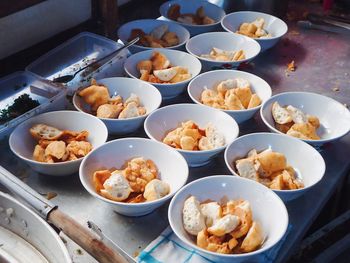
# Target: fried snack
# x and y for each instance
(226, 228)
(136, 183)
(158, 70)
(199, 18)
(95, 95)
(254, 29)
(113, 107)
(55, 145)
(192, 138)
(224, 55)
(294, 122)
(231, 94)
(159, 37)
(269, 168)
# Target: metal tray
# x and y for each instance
(75, 53)
(18, 83)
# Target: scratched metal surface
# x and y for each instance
(323, 63)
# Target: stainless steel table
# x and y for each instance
(323, 66)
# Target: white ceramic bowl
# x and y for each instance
(203, 43)
(149, 96)
(210, 79)
(147, 25)
(22, 143)
(171, 165)
(275, 26)
(334, 116)
(161, 121)
(306, 161)
(267, 208)
(176, 58)
(190, 6)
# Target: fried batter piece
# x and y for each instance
(136, 183)
(231, 230)
(294, 122)
(159, 37)
(199, 18)
(190, 137)
(254, 29)
(95, 95)
(67, 145)
(231, 94)
(115, 108)
(269, 168)
(158, 70)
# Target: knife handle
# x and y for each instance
(84, 238)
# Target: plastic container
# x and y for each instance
(78, 52)
(18, 83)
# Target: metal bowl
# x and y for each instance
(26, 237)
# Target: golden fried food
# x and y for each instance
(63, 146)
(231, 94)
(269, 168)
(294, 122)
(224, 55)
(254, 29)
(159, 37)
(192, 138)
(159, 70)
(199, 18)
(114, 107)
(137, 182)
(226, 228)
(95, 95)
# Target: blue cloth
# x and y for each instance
(168, 248)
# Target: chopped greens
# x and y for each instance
(21, 105)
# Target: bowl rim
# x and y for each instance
(143, 204)
(274, 97)
(75, 96)
(234, 123)
(180, 27)
(164, 50)
(227, 177)
(228, 71)
(256, 13)
(58, 163)
(231, 34)
(171, 2)
(322, 164)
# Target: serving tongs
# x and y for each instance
(326, 23)
(96, 64)
(88, 240)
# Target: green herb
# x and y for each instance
(21, 105)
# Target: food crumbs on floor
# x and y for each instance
(290, 67)
(136, 253)
(294, 33)
(335, 89)
(50, 195)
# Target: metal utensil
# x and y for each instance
(50, 212)
(323, 27)
(328, 20)
(103, 237)
(67, 78)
